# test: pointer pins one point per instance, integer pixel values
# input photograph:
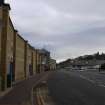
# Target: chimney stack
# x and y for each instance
(1, 2)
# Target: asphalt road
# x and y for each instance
(77, 88)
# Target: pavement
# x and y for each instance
(77, 87)
(22, 91)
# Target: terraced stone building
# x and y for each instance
(18, 59)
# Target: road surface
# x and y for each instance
(77, 87)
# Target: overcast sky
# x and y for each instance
(68, 28)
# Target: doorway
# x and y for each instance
(10, 75)
(30, 70)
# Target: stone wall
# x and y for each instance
(29, 69)
(0, 30)
(0, 39)
(19, 63)
(52, 64)
(10, 46)
(34, 61)
(38, 61)
(5, 31)
(18, 59)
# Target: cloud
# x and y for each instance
(68, 28)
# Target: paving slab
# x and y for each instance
(21, 92)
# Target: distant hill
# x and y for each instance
(94, 57)
(64, 63)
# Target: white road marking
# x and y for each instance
(92, 81)
(102, 85)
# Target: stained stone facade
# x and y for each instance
(18, 59)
